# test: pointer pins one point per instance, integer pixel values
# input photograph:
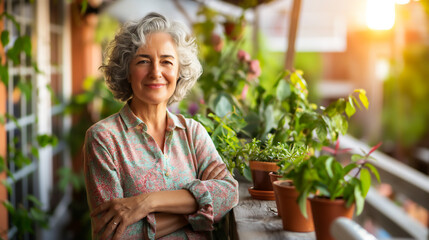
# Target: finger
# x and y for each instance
(103, 221)
(119, 231)
(102, 207)
(111, 226)
(221, 175)
(218, 169)
(208, 170)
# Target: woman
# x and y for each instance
(150, 173)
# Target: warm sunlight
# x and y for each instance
(380, 14)
(402, 1)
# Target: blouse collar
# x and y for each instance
(132, 121)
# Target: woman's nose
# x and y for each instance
(156, 70)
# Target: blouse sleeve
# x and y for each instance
(103, 183)
(215, 197)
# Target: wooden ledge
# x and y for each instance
(257, 219)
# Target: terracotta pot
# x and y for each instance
(325, 211)
(260, 177)
(292, 218)
(274, 177)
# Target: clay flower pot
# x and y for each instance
(292, 218)
(274, 177)
(262, 187)
(325, 211)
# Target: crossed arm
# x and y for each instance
(170, 208)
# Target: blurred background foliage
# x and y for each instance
(406, 98)
(231, 97)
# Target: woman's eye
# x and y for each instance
(168, 62)
(143, 61)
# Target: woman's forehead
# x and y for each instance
(159, 42)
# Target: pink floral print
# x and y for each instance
(122, 160)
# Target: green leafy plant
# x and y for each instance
(224, 133)
(296, 156)
(23, 218)
(268, 151)
(304, 123)
(324, 176)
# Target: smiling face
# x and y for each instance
(154, 70)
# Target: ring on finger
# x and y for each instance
(115, 221)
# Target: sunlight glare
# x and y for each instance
(402, 2)
(380, 14)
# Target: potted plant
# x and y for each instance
(263, 159)
(286, 194)
(334, 190)
(224, 132)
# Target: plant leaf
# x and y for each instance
(365, 179)
(247, 173)
(283, 90)
(348, 168)
(4, 38)
(4, 74)
(355, 101)
(328, 149)
(328, 166)
(374, 148)
(84, 6)
(222, 105)
(373, 170)
(8, 186)
(356, 157)
(25, 87)
(350, 108)
(26, 45)
(45, 140)
(34, 200)
(9, 207)
(360, 201)
(321, 130)
(35, 151)
(363, 99)
(302, 202)
(206, 122)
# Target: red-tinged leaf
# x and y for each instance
(328, 149)
(374, 148)
(337, 145)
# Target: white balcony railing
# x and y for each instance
(405, 181)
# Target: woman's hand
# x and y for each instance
(118, 214)
(215, 170)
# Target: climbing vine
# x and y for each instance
(22, 217)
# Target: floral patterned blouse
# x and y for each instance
(123, 160)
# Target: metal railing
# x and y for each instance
(404, 181)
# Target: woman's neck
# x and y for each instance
(154, 116)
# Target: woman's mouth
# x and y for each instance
(155, 86)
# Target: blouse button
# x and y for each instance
(167, 174)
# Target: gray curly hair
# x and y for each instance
(122, 49)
